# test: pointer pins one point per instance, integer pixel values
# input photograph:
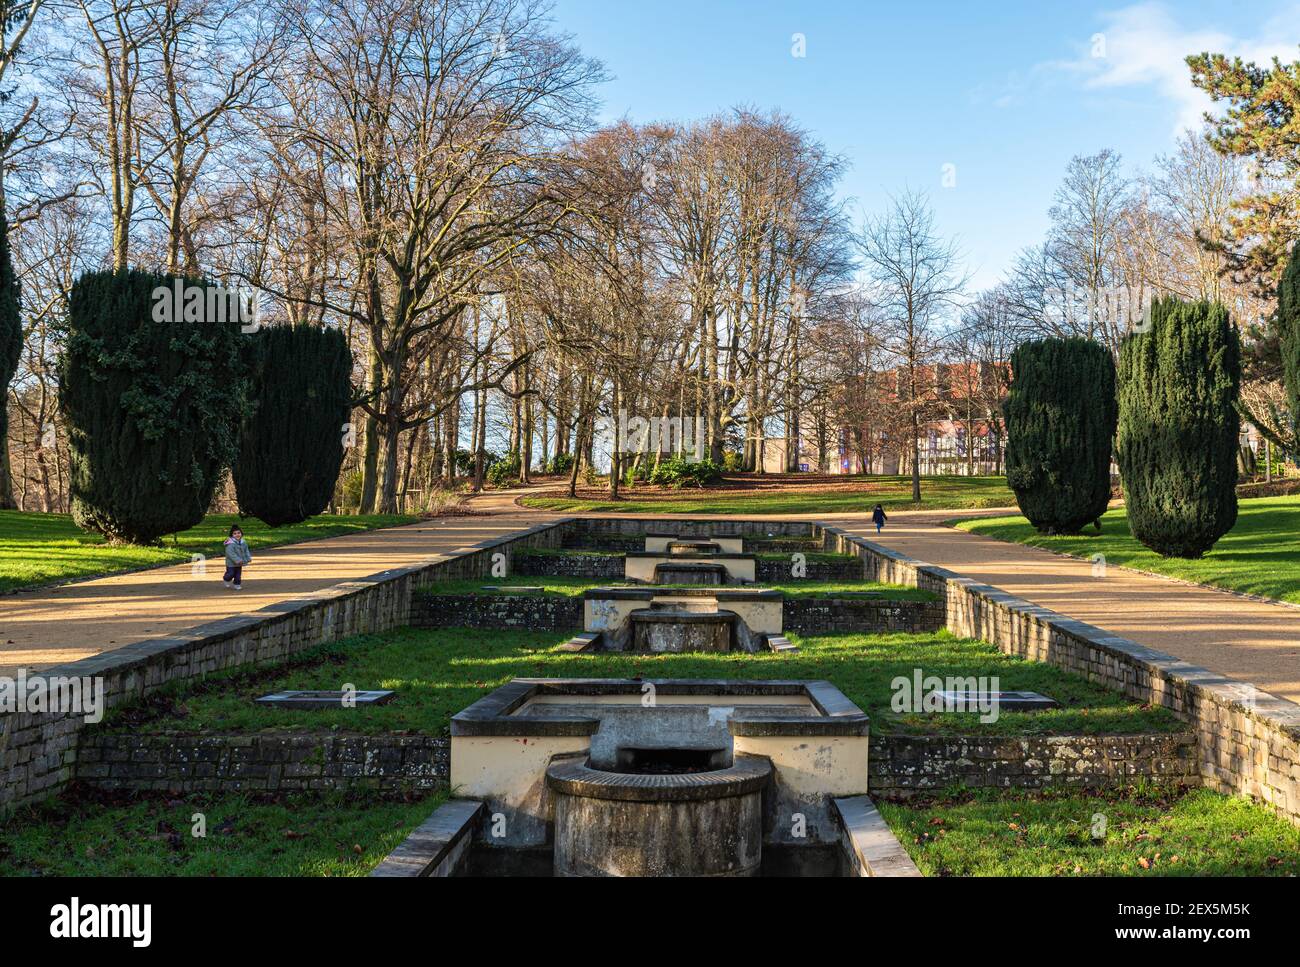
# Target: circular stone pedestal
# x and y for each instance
(690, 572)
(693, 547)
(693, 824)
(664, 630)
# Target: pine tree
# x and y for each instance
(1060, 413)
(291, 442)
(1179, 428)
(152, 405)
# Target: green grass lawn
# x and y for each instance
(1260, 555)
(574, 586)
(1148, 831)
(436, 673)
(40, 549)
(856, 495)
(288, 835)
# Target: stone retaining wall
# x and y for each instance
(610, 566)
(819, 616)
(38, 751)
(262, 761)
(767, 571)
(599, 566)
(901, 766)
(1248, 741)
(606, 528)
(539, 612)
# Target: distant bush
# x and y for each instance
(351, 487)
(733, 461)
(505, 471)
(678, 472)
(559, 464)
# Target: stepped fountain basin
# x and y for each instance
(652, 567)
(690, 572)
(665, 777)
(660, 542)
(643, 619)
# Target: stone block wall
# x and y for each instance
(768, 571)
(902, 766)
(262, 761)
(522, 611)
(1248, 741)
(598, 566)
(819, 616)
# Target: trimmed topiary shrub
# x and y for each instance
(1060, 413)
(152, 406)
(11, 348)
(1178, 427)
(291, 440)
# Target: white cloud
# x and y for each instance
(1145, 46)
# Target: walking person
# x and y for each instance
(878, 518)
(238, 556)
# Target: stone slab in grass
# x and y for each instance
(1006, 701)
(325, 699)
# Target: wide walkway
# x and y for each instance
(1243, 639)
(1234, 636)
(39, 629)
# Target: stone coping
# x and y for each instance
(492, 714)
(444, 836)
(870, 845)
(573, 777)
(647, 592)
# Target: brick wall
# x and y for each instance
(1248, 741)
(901, 766)
(262, 761)
(527, 611)
(38, 752)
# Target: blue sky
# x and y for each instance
(1006, 92)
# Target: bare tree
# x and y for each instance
(915, 281)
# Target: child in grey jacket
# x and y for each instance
(237, 557)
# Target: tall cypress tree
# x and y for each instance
(153, 406)
(1061, 412)
(1288, 332)
(1178, 427)
(291, 442)
(11, 347)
